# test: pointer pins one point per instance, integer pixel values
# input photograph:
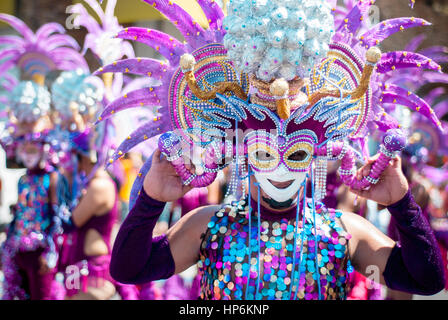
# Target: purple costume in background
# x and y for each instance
(28, 240)
(94, 270)
(193, 199)
(333, 184)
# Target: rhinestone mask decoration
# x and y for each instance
(267, 152)
(279, 158)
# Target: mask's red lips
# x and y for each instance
(281, 185)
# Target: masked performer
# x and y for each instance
(277, 89)
(93, 194)
(78, 98)
(30, 256)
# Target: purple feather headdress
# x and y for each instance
(102, 41)
(386, 91)
(101, 36)
(161, 72)
(423, 134)
(179, 106)
(415, 78)
(126, 122)
(36, 54)
(156, 96)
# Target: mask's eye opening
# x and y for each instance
(299, 155)
(264, 156)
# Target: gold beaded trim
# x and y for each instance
(263, 87)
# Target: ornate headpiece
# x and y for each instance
(36, 54)
(77, 94)
(426, 140)
(77, 97)
(100, 38)
(279, 67)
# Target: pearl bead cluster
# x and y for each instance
(30, 101)
(387, 153)
(320, 178)
(236, 179)
(343, 172)
(277, 39)
(76, 86)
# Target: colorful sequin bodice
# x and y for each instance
(224, 260)
(32, 218)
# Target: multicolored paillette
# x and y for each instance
(225, 262)
(32, 218)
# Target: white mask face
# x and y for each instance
(30, 154)
(30, 160)
(280, 175)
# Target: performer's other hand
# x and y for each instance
(162, 182)
(391, 187)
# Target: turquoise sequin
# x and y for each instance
(32, 217)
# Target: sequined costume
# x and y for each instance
(30, 244)
(29, 240)
(224, 261)
(33, 213)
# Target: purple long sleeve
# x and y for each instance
(442, 237)
(415, 264)
(137, 257)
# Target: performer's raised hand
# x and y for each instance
(391, 187)
(162, 182)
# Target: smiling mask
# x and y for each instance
(279, 159)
